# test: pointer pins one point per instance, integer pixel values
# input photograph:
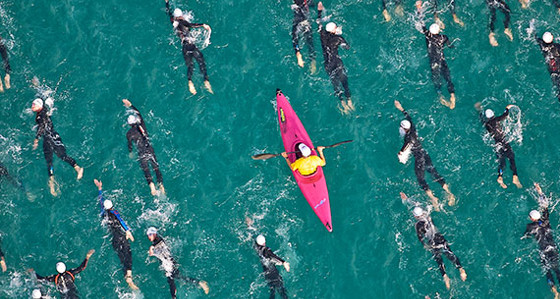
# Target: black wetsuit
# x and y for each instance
(422, 161)
(118, 229)
(5, 58)
(503, 7)
(271, 274)
(503, 149)
(436, 243)
(333, 64)
(52, 143)
(190, 51)
(4, 173)
(551, 53)
(65, 282)
(547, 247)
(438, 65)
(138, 134)
(168, 263)
(301, 25)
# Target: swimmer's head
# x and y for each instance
(489, 113)
(535, 215)
(37, 105)
(304, 149)
(418, 211)
(434, 29)
(107, 204)
(36, 294)
(177, 13)
(547, 37)
(261, 240)
(60, 267)
(331, 27)
(405, 124)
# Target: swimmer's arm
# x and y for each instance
(168, 10)
(83, 265)
(448, 43)
(503, 116)
(121, 221)
(47, 278)
(343, 43)
(319, 15)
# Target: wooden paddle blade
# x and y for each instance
(264, 156)
(337, 144)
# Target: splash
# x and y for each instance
(513, 128)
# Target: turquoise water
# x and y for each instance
(96, 53)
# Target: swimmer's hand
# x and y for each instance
(320, 6)
(3, 265)
(418, 5)
(509, 106)
(403, 196)
(98, 183)
(90, 253)
(126, 103)
(129, 236)
(286, 266)
(398, 106)
(538, 188)
(478, 106)
(206, 26)
(151, 251)
(35, 144)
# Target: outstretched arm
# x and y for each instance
(168, 10)
(505, 114)
(320, 9)
(83, 265)
(99, 185)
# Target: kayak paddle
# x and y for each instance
(266, 156)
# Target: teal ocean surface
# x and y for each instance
(95, 53)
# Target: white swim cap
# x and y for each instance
(304, 149)
(107, 204)
(36, 294)
(37, 104)
(177, 13)
(535, 215)
(261, 240)
(151, 231)
(132, 120)
(434, 28)
(547, 37)
(405, 124)
(60, 267)
(489, 113)
(331, 27)
(418, 211)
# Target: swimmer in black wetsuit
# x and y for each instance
(435, 42)
(269, 261)
(138, 134)
(422, 161)
(160, 250)
(120, 233)
(434, 241)
(52, 143)
(7, 69)
(504, 8)
(541, 230)
(331, 39)
(302, 26)
(503, 149)
(551, 53)
(182, 29)
(64, 280)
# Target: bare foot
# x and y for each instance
(153, 189)
(80, 171)
(207, 86)
(299, 59)
(191, 87)
(451, 199)
(457, 20)
(128, 278)
(399, 10)
(7, 81)
(162, 189)
(435, 201)
(493, 41)
(350, 105)
(204, 285)
(501, 182)
(52, 186)
(386, 15)
(508, 33)
(443, 101)
(516, 182)
(447, 282)
(313, 67)
(463, 274)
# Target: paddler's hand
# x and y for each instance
(320, 148)
(126, 103)
(129, 236)
(286, 266)
(285, 155)
(399, 106)
(320, 6)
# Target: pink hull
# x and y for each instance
(313, 187)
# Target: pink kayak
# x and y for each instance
(314, 186)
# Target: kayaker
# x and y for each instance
(307, 164)
(52, 143)
(503, 149)
(504, 8)
(7, 69)
(541, 230)
(190, 50)
(302, 26)
(160, 250)
(64, 280)
(120, 233)
(436, 42)
(269, 261)
(138, 134)
(422, 161)
(331, 39)
(434, 241)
